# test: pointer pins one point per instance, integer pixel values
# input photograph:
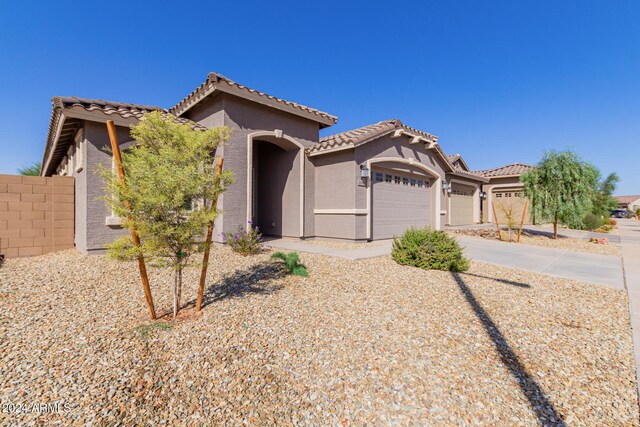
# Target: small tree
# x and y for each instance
(560, 188)
(602, 201)
(510, 217)
(30, 170)
(170, 181)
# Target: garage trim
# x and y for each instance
(437, 187)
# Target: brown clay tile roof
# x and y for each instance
(452, 158)
(60, 104)
(123, 109)
(626, 199)
(217, 80)
(365, 134)
(508, 170)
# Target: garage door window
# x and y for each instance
(412, 181)
(405, 180)
(387, 177)
(378, 177)
(396, 179)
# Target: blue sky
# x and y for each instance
(498, 81)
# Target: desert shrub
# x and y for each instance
(430, 250)
(605, 228)
(591, 221)
(291, 263)
(613, 222)
(638, 212)
(245, 241)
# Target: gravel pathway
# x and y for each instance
(358, 342)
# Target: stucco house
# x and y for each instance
(364, 184)
(504, 189)
(630, 203)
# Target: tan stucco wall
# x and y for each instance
(36, 215)
(245, 118)
(342, 196)
(511, 184)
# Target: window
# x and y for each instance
(498, 195)
(396, 179)
(405, 180)
(426, 183)
(420, 183)
(412, 181)
(387, 177)
(378, 176)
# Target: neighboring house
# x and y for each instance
(630, 203)
(364, 184)
(504, 189)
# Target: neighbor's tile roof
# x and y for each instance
(512, 169)
(626, 199)
(216, 79)
(364, 134)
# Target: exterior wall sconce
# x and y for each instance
(365, 173)
(483, 195)
(449, 190)
(445, 185)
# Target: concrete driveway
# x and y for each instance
(591, 268)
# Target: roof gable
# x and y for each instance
(216, 82)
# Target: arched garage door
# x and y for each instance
(400, 200)
(461, 204)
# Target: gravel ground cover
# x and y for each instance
(568, 243)
(357, 342)
(341, 245)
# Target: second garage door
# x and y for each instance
(461, 205)
(400, 200)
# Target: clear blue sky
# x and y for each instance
(498, 81)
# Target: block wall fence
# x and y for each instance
(36, 215)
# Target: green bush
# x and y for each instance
(591, 221)
(291, 263)
(429, 250)
(245, 242)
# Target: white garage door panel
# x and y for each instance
(461, 205)
(399, 205)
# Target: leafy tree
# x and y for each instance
(30, 170)
(561, 188)
(602, 200)
(170, 183)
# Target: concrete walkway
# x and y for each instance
(630, 239)
(591, 268)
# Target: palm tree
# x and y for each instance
(31, 170)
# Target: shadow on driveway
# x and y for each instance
(541, 406)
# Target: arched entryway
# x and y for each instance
(275, 178)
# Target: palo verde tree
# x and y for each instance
(170, 183)
(560, 188)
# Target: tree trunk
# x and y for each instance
(555, 225)
(179, 287)
(175, 294)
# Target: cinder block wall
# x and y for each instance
(36, 215)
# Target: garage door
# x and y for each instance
(400, 200)
(509, 201)
(461, 205)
